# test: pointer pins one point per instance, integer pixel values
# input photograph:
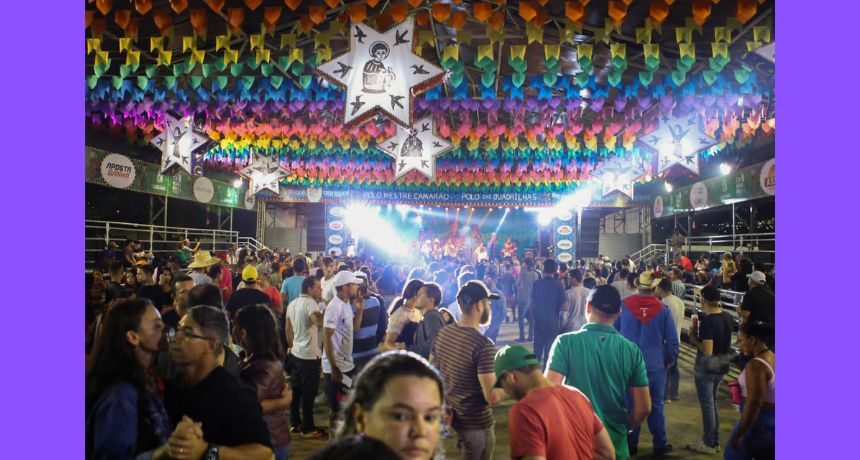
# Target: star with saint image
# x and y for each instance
(263, 173)
(415, 149)
(178, 143)
(381, 73)
(678, 141)
(616, 174)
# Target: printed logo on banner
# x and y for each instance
(336, 211)
(564, 245)
(204, 190)
(699, 196)
(336, 250)
(767, 177)
(336, 225)
(565, 230)
(565, 257)
(335, 239)
(658, 206)
(315, 194)
(117, 170)
(565, 216)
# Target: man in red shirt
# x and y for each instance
(576, 433)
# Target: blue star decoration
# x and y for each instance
(263, 173)
(381, 73)
(678, 141)
(415, 149)
(180, 142)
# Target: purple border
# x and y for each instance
(815, 146)
(43, 384)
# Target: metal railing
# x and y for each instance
(738, 243)
(648, 253)
(251, 243)
(158, 239)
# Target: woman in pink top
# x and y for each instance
(753, 436)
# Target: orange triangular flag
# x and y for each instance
(384, 21)
(131, 29)
(162, 19)
(178, 6)
(441, 11)
(306, 23)
(458, 19)
(422, 18)
(199, 20)
(372, 3)
(235, 18)
(497, 20)
(482, 11)
(574, 10)
(143, 6)
(97, 27)
(216, 5)
(121, 18)
(658, 10)
(540, 18)
(527, 10)
(293, 4)
(415, 3)
(89, 17)
(746, 9)
(271, 14)
(104, 6)
(701, 11)
(332, 3)
(317, 13)
(253, 4)
(357, 13)
(617, 11)
(399, 11)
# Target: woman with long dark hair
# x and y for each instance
(255, 329)
(398, 400)
(403, 318)
(753, 435)
(125, 418)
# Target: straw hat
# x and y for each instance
(202, 259)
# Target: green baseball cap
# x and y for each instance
(512, 357)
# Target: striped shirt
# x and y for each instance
(679, 290)
(366, 336)
(461, 354)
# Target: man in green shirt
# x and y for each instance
(604, 365)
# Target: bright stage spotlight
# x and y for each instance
(237, 183)
(367, 224)
(725, 168)
(402, 209)
(502, 220)
(668, 187)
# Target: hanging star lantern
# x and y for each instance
(180, 144)
(678, 141)
(381, 73)
(415, 149)
(616, 176)
(263, 173)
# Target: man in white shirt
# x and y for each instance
(328, 288)
(577, 298)
(339, 324)
(676, 306)
(303, 323)
(620, 283)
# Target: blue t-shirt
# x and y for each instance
(291, 288)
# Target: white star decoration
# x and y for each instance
(178, 143)
(678, 141)
(616, 176)
(263, 173)
(415, 149)
(381, 73)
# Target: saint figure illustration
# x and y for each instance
(376, 76)
(677, 137)
(412, 147)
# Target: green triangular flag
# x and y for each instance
(116, 81)
(305, 81)
(169, 81)
(645, 77)
(142, 82)
(709, 76)
(456, 79)
(518, 79)
(488, 78)
(678, 77)
(124, 71)
(266, 69)
(236, 69)
(297, 68)
(252, 62)
(550, 78)
(614, 77)
(220, 64)
(206, 69)
(248, 81)
(581, 78)
(196, 80)
(276, 81)
(178, 69)
(92, 81)
(221, 81)
(283, 63)
(741, 75)
(151, 70)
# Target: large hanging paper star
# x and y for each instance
(415, 149)
(616, 176)
(179, 142)
(263, 173)
(678, 141)
(381, 73)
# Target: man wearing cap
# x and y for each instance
(577, 432)
(759, 301)
(465, 357)
(371, 331)
(202, 261)
(647, 322)
(342, 317)
(248, 295)
(605, 367)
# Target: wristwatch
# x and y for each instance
(211, 452)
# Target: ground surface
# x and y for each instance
(683, 417)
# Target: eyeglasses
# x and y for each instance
(182, 334)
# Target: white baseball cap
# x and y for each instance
(757, 277)
(346, 277)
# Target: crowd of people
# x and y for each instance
(222, 356)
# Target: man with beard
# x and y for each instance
(464, 358)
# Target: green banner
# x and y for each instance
(752, 182)
(120, 171)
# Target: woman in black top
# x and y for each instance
(712, 338)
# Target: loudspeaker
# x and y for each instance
(589, 234)
(316, 227)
